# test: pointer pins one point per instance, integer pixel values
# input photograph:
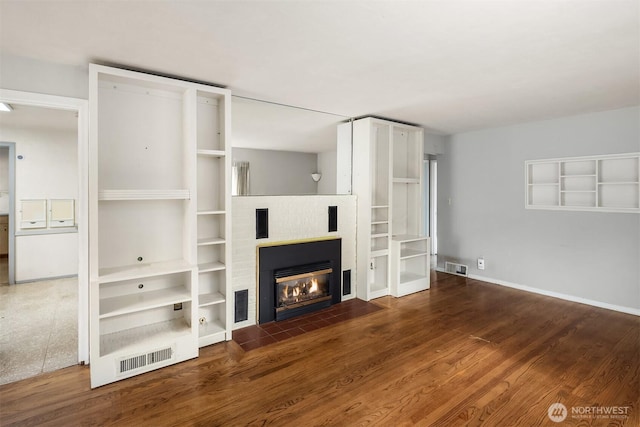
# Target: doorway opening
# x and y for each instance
(45, 301)
(430, 202)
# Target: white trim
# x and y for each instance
(11, 147)
(622, 309)
(81, 106)
(583, 158)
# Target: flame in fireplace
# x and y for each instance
(303, 288)
(313, 287)
(300, 291)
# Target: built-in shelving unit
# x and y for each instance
(387, 178)
(410, 264)
(596, 183)
(214, 231)
(145, 200)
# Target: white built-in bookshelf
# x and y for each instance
(213, 219)
(607, 183)
(155, 199)
(387, 178)
(410, 264)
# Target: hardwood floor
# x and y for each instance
(463, 353)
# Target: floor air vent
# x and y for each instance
(139, 361)
(455, 268)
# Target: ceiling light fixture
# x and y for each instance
(5, 107)
(316, 176)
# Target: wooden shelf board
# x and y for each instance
(408, 238)
(619, 183)
(552, 207)
(406, 180)
(138, 271)
(114, 195)
(126, 304)
(412, 253)
(211, 212)
(379, 252)
(374, 236)
(210, 299)
(211, 266)
(210, 241)
(211, 153)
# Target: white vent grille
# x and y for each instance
(139, 361)
(455, 268)
(159, 356)
(132, 363)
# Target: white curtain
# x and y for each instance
(240, 179)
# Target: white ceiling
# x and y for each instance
(48, 119)
(450, 66)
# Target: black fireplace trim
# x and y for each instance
(273, 258)
(301, 269)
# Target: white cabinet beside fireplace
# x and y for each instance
(410, 264)
(145, 268)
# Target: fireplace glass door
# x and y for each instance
(301, 289)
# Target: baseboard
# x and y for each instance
(619, 308)
(44, 279)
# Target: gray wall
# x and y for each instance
(279, 172)
(434, 143)
(589, 255)
(327, 163)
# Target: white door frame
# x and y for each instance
(11, 180)
(81, 106)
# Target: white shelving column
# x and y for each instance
(387, 178)
(214, 217)
(409, 248)
(144, 187)
(372, 185)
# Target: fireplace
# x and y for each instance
(298, 278)
(298, 287)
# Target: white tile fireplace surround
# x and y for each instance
(291, 218)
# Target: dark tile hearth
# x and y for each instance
(253, 337)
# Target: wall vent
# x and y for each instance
(455, 268)
(132, 363)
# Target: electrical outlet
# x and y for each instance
(480, 263)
